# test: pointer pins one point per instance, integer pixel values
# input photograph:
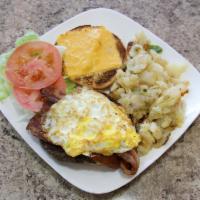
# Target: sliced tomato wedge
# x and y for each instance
(59, 86)
(57, 89)
(28, 99)
(33, 99)
(34, 65)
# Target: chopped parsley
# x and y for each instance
(156, 48)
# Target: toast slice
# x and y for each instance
(99, 79)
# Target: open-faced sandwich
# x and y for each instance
(97, 100)
(93, 55)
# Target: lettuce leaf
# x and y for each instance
(29, 36)
(71, 86)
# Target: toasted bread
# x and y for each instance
(101, 80)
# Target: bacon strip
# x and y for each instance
(35, 126)
(109, 161)
(129, 162)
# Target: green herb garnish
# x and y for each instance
(156, 48)
(71, 86)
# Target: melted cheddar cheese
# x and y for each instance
(89, 50)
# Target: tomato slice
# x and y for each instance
(59, 87)
(34, 65)
(32, 99)
(28, 99)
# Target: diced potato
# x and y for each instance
(176, 70)
(151, 93)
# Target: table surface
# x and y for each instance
(176, 175)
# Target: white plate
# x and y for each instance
(93, 178)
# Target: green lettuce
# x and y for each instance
(71, 86)
(29, 36)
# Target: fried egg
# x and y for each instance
(87, 122)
